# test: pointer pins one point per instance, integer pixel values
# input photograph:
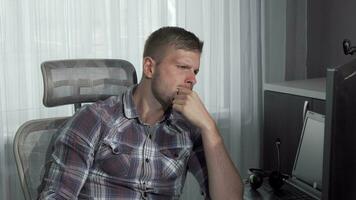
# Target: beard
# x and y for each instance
(161, 92)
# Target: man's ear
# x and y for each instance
(148, 67)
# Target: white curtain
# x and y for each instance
(35, 31)
(230, 78)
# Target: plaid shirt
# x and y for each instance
(105, 152)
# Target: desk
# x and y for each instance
(265, 192)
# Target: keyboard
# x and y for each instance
(288, 192)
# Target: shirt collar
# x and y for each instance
(129, 105)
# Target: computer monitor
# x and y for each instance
(308, 162)
(339, 165)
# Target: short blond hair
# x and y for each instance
(161, 39)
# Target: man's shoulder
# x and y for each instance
(111, 102)
(107, 109)
(110, 106)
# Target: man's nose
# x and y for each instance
(191, 80)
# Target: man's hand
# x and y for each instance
(189, 104)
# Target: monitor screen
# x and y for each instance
(309, 160)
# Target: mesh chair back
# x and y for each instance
(32, 147)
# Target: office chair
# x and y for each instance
(65, 82)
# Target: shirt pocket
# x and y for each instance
(114, 159)
(173, 162)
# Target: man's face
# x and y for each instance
(177, 69)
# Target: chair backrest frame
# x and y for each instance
(85, 80)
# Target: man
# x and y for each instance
(141, 145)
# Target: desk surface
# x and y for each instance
(265, 192)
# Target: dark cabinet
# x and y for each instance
(283, 118)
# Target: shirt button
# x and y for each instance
(116, 150)
(147, 160)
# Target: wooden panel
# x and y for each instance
(283, 118)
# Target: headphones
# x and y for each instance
(275, 178)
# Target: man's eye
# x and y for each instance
(182, 67)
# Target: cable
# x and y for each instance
(278, 144)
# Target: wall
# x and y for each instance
(330, 22)
(284, 40)
(296, 40)
(302, 38)
(274, 40)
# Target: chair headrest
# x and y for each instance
(85, 80)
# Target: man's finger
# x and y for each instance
(177, 107)
(179, 101)
(180, 96)
(183, 90)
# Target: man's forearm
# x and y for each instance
(224, 179)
